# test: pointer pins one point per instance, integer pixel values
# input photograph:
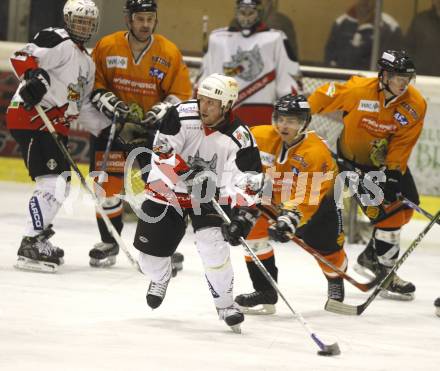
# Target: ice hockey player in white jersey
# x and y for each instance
(57, 72)
(200, 151)
(259, 58)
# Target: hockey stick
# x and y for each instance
(417, 208)
(272, 215)
(110, 139)
(112, 230)
(342, 308)
(325, 350)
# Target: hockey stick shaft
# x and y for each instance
(342, 308)
(108, 146)
(112, 230)
(333, 347)
(272, 215)
(417, 208)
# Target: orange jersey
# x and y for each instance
(302, 175)
(159, 72)
(374, 134)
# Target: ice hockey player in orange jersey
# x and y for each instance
(139, 74)
(302, 172)
(383, 118)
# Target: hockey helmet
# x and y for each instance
(223, 88)
(249, 13)
(81, 18)
(136, 6)
(293, 105)
(396, 61)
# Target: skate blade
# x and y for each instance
(27, 264)
(364, 272)
(261, 309)
(236, 329)
(396, 296)
(103, 263)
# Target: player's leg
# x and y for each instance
(264, 298)
(45, 164)
(156, 245)
(215, 254)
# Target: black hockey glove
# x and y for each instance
(36, 86)
(286, 223)
(110, 105)
(242, 221)
(156, 114)
(392, 189)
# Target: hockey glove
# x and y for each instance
(392, 189)
(241, 224)
(36, 86)
(110, 105)
(156, 114)
(286, 224)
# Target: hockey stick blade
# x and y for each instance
(270, 213)
(342, 308)
(329, 350)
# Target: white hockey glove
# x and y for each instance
(156, 113)
(286, 224)
(110, 105)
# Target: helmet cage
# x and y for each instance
(81, 18)
(248, 20)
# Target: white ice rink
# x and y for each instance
(97, 319)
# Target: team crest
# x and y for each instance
(51, 164)
(198, 162)
(246, 64)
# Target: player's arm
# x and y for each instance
(331, 97)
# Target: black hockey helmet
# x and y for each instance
(293, 105)
(396, 61)
(136, 6)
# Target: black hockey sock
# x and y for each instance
(260, 282)
(105, 235)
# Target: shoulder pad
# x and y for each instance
(50, 37)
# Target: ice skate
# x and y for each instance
(103, 254)
(38, 254)
(398, 289)
(258, 302)
(335, 289)
(176, 263)
(367, 263)
(437, 306)
(232, 316)
(156, 293)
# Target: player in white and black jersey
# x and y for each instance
(57, 72)
(200, 152)
(258, 57)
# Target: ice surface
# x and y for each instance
(97, 319)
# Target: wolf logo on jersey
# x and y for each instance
(198, 162)
(246, 64)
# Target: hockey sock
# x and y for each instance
(49, 194)
(338, 259)
(259, 282)
(386, 242)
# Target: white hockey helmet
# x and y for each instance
(82, 19)
(221, 87)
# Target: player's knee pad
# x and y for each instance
(261, 247)
(386, 243)
(213, 249)
(158, 268)
(338, 259)
(56, 186)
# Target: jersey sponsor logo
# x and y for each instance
(192, 109)
(267, 159)
(369, 105)
(115, 61)
(155, 72)
(242, 136)
(245, 64)
(301, 160)
(374, 127)
(36, 215)
(160, 60)
(401, 119)
(255, 87)
(411, 110)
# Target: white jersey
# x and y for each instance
(229, 152)
(259, 63)
(70, 68)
